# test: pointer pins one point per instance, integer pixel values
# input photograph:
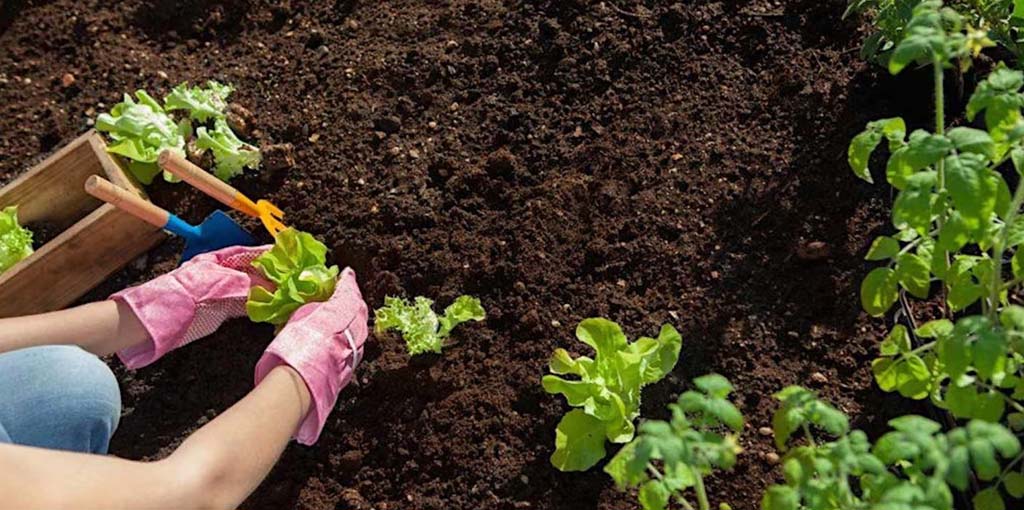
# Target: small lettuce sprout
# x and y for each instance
(297, 265)
(231, 155)
(668, 458)
(141, 131)
(607, 392)
(15, 240)
(421, 328)
(202, 104)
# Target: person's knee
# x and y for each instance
(77, 400)
(94, 402)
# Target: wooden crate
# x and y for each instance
(96, 239)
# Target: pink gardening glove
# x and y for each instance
(191, 302)
(323, 342)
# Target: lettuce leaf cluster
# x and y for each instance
(15, 240)
(142, 129)
(297, 266)
(606, 388)
(421, 328)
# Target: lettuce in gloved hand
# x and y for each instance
(15, 240)
(297, 265)
(421, 328)
(202, 104)
(230, 154)
(141, 131)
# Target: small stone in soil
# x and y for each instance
(812, 251)
(765, 431)
(771, 457)
(819, 378)
(67, 80)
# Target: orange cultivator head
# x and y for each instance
(271, 217)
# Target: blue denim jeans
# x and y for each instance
(57, 397)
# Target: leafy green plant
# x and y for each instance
(913, 467)
(15, 240)
(607, 391)
(421, 328)
(297, 266)
(668, 458)
(142, 130)
(956, 223)
(995, 19)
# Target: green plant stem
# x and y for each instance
(940, 167)
(679, 498)
(1009, 401)
(810, 437)
(702, 493)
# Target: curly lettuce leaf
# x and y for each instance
(202, 104)
(421, 328)
(231, 155)
(297, 266)
(606, 388)
(15, 240)
(141, 131)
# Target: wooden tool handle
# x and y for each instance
(197, 177)
(126, 201)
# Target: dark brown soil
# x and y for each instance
(649, 162)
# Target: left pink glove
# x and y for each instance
(191, 302)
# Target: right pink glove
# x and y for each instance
(323, 342)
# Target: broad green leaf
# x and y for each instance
(972, 187)
(780, 497)
(879, 291)
(914, 274)
(15, 240)
(935, 328)
(988, 499)
(912, 207)
(1014, 483)
(882, 248)
(579, 442)
(864, 144)
(955, 233)
(898, 341)
(654, 496)
(973, 140)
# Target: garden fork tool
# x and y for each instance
(206, 182)
(216, 232)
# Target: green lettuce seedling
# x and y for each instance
(421, 328)
(666, 459)
(15, 240)
(607, 390)
(297, 266)
(231, 155)
(141, 131)
(913, 467)
(202, 104)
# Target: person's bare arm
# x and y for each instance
(101, 328)
(216, 467)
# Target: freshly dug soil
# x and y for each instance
(648, 162)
